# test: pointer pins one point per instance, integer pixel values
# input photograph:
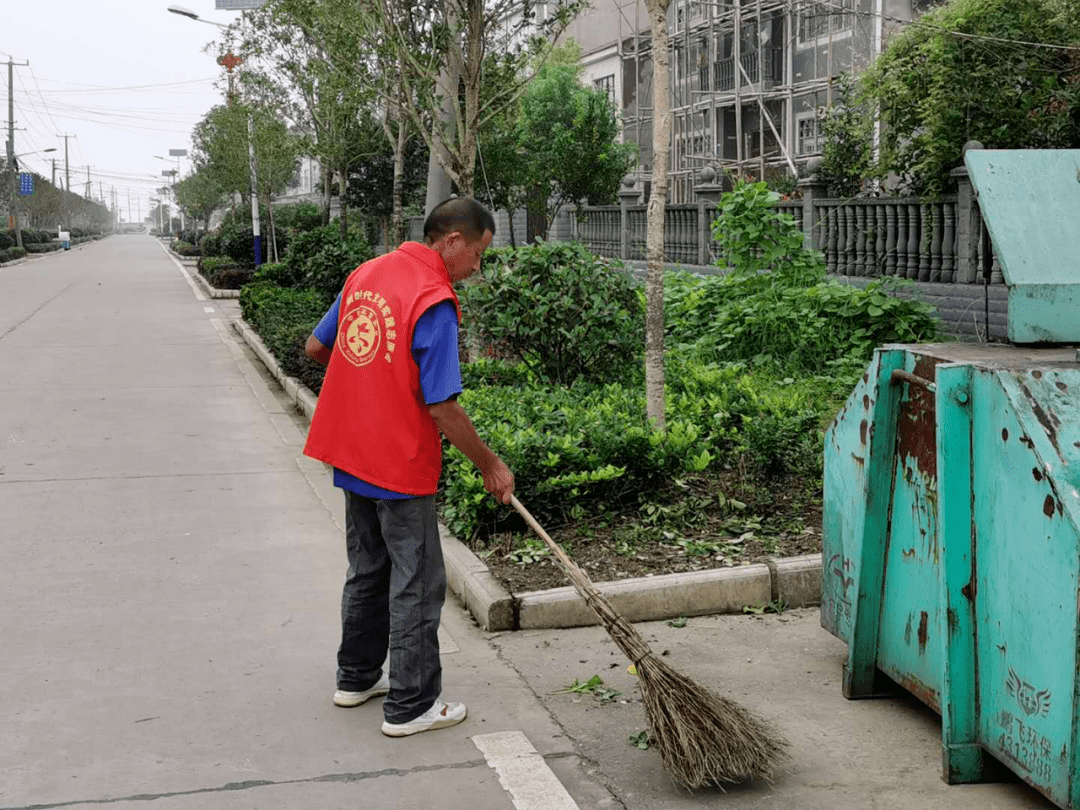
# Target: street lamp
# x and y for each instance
(191, 15)
(14, 189)
(178, 153)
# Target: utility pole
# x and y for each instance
(67, 165)
(11, 148)
(54, 172)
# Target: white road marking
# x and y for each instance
(207, 309)
(523, 773)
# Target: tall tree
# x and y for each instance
(568, 135)
(654, 250)
(965, 73)
(302, 57)
(220, 147)
(451, 38)
(200, 194)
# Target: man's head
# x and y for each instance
(460, 230)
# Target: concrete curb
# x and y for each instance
(794, 580)
(204, 285)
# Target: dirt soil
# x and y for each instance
(696, 533)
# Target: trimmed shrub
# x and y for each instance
(320, 260)
(210, 244)
(41, 247)
(185, 249)
(588, 448)
(223, 273)
(284, 318)
(776, 308)
(565, 313)
(7, 239)
(10, 254)
(277, 273)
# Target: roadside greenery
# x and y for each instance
(759, 357)
(562, 312)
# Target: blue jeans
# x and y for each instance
(393, 597)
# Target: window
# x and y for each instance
(808, 131)
(818, 20)
(607, 84)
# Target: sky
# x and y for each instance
(127, 78)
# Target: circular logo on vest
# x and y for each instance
(360, 336)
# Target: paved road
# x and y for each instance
(170, 569)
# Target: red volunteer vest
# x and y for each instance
(371, 420)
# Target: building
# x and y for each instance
(748, 76)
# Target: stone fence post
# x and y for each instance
(968, 223)
(628, 195)
(813, 189)
(708, 193)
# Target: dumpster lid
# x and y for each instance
(1030, 201)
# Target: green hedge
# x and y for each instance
(560, 310)
(587, 448)
(185, 249)
(11, 254)
(224, 273)
(41, 247)
(284, 318)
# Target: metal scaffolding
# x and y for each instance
(734, 80)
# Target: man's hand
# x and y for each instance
(499, 481)
(455, 425)
(317, 351)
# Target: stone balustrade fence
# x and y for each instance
(939, 241)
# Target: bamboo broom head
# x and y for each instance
(703, 739)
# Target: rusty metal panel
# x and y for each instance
(1026, 426)
(847, 445)
(910, 641)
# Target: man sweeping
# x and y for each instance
(390, 344)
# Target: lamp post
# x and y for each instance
(231, 62)
(175, 173)
(15, 190)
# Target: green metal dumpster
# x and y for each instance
(952, 504)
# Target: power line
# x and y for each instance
(133, 88)
(942, 29)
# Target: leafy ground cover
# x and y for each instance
(758, 360)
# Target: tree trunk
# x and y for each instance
(328, 181)
(273, 230)
(343, 186)
(654, 277)
(399, 182)
(510, 221)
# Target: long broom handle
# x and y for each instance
(556, 549)
(628, 639)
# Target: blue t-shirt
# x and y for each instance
(435, 350)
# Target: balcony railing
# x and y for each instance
(766, 65)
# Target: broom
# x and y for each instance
(703, 739)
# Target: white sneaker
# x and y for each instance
(349, 699)
(440, 715)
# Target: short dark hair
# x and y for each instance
(462, 214)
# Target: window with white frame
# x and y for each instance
(819, 20)
(607, 84)
(808, 134)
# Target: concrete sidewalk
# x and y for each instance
(170, 577)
